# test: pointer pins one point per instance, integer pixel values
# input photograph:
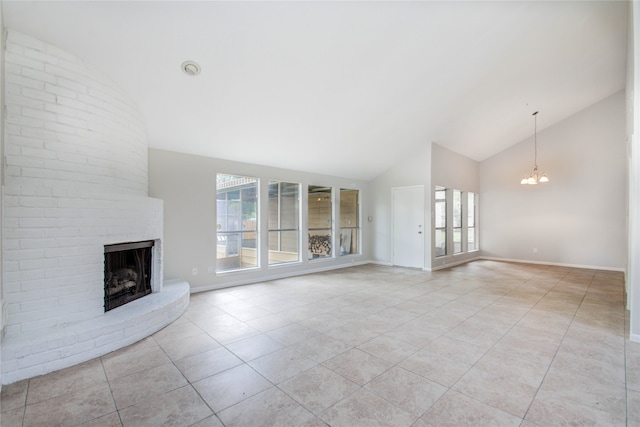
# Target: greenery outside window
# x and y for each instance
(237, 222)
(349, 222)
(284, 222)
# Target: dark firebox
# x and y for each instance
(127, 272)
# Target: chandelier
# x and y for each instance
(535, 176)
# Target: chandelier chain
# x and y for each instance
(535, 139)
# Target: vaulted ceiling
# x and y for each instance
(343, 88)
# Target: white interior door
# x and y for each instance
(408, 226)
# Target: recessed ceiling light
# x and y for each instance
(190, 68)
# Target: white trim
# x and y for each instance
(634, 338)
(249, 281)
(383, 263)
(557, 264)
(454, 263)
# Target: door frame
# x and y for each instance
(393, 224)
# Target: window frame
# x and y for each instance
(279, 229)
(322, 236)
(450, 249)
(457, 214)
(352, 227)
(224, 234)
(446, 222)
(472, 207)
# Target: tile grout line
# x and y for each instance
(489, 349)
(561, 340)
(110, 391)
(395, 364)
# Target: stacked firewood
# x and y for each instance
(320, 245)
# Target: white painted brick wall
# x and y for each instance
(75, 180)
(54, 248)
(69, 125)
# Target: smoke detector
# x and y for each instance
(190, 68)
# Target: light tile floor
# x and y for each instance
(486, 343)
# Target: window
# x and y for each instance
(457, 221)
(237, 222)
(349, 222)
(440, 210)
(284, 222)
(320, 221)
(472, 236)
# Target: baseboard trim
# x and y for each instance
(275, 276)
(453, 263)
(383, 263)
(555, 264)
(319, 269)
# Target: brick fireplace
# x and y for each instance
(75, 183)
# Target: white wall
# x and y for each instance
(2, 306)
(579, 218)
(455, 171)
(187, 184)
(630, 121)
(414, 170)
(633, 93)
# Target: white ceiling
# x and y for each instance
(343, 88)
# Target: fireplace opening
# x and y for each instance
(127, 272)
